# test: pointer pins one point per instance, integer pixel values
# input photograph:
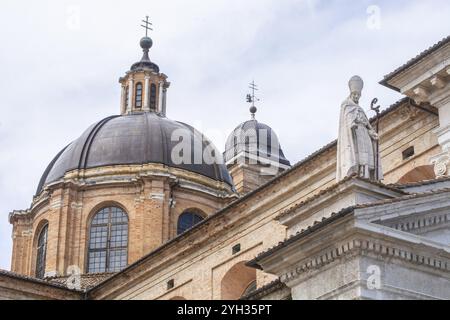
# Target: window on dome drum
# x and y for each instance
(138, 96)
(153, 97)
(187, 220)
(108, 241)
(41, 252)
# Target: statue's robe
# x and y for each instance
(356, 149)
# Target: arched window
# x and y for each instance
(153, 97)
(108, 241)
(138, 96)
(41, 252)
(187, 220)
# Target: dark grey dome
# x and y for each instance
(130, 139)
(255, 138)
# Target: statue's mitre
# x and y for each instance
(356, 84)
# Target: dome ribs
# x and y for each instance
(82, 164)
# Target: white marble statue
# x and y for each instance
(357, 142)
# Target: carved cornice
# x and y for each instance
(362, 247)
(103, 177)
(419, 223)
(19, 214)
(131, 174)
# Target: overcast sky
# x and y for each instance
(60, 62)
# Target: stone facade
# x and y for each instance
(370, 250)
(248, 177)
(248, 222)
(299, 234)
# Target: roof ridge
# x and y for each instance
(37, 280)
(416, 59)
(311, 228)
(277, 283)
(416, 195)
(420, 183)
(333, 187)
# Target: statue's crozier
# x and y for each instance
(357, 142)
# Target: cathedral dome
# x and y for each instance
(136, 138)
(255, 139)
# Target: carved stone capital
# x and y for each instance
(441, 164)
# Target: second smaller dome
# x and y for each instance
(257, 140)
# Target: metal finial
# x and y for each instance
(252, 98)
(147, 25)
(372, 106)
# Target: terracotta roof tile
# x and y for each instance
(36, 280)
(87, 280)
(316, 225)
(264, 290)
(419, 183)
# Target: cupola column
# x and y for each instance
(147, 93)
(122, 99)
(130, 94)
(160, 96)
(165, 86)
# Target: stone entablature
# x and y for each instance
(423, 68)
(421, 225)
(335, 258)
(427, 80)
(349, 192)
